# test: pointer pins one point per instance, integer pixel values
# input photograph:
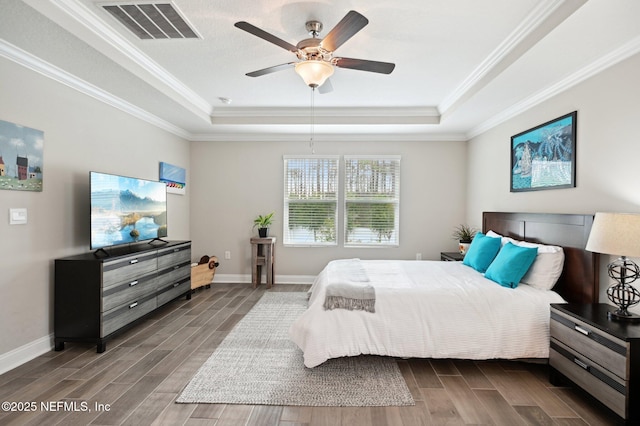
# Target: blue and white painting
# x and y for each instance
(21, 150)
(544, 157)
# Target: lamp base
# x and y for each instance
(626, 317)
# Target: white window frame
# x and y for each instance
(287, 238)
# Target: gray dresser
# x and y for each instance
(98, 296)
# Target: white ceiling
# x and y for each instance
(462, 66)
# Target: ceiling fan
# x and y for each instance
(316, 60)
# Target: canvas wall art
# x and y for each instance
(21, 155)
(175, 177)
(544, 157)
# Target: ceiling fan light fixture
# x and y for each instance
(314, 72)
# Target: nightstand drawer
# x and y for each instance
(603, 349)
(604, 386)
(451, 256)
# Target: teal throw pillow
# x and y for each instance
(481, 252)
(511, 264)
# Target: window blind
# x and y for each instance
(310, 200)
(372, 200)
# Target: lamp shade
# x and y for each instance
(616, 234)
(314, 72)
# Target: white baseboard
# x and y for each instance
(25, 353)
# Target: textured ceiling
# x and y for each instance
(461, 66)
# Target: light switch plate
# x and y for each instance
(18, 216)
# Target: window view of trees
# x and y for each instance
(311, 196)
(371, 200)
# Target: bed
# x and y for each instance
(434, 309)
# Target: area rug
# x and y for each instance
(257, 364)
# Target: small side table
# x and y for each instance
(451, 256)
(599, 355)
(262, 254)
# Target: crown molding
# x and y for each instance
(332, 116)
(27, 60)
(542, 20)
(145, 68)
(319, 138)
(630, 48)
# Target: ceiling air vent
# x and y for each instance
(152, 20)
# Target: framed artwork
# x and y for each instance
(21, 150)
(175, 177)
(544, 157)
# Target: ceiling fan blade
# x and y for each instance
(344, 30)
(269, 70)
(326, 87)
(364, 65)
(252, 29)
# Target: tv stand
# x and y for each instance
(101, 250)
(96, 298)
(158, 239)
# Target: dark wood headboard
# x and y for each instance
(579, 281)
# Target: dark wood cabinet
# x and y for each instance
(96, 297)
(599, 355)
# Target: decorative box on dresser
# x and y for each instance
(600, 355)
(97, 296)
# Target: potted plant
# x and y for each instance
(263, 223)
(464, 234)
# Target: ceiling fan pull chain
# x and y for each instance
(311, 144)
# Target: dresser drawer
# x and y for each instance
(170, 292)
(128, 269)
(122, 293)
(174, 256)
(119, 317)
(603, 349)
(173, 274)
(604, 386)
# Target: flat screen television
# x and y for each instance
(126, 210)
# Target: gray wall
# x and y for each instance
(233, 182)
(80, 134)
(608, 149)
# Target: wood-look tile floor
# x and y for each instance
(138, 378)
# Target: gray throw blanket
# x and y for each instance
(350, 296)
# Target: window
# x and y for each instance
(310, 200)
(372, 200)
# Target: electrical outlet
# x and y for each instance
(227, 255)
(418, 256)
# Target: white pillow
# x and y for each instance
(504, 240)
(546, 269)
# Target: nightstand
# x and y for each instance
(599, 355)
(451, 256)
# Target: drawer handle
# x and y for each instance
(176, 267)
(581, 330)
(176, 250)
(133, 305)
(132, 283)
(133, 261)
(176, 285)
(581, 364)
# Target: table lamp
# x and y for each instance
(618, 234)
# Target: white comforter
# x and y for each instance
(425, 309)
